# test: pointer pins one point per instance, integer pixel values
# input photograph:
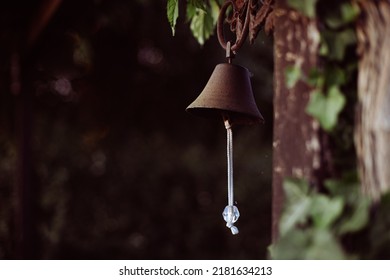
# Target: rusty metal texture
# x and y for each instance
(246, 18)
(228, 92)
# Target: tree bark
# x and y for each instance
(372, 129)
(297, 139)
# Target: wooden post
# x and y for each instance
(297, 136)
(372, 130)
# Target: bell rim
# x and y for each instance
(235, 116)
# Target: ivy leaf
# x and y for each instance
(347, 13)
(309, 244)
(324, 48)
(316, 78)
(293, 74)
(326, 108)
(307, 7)
(295, 189)
(358, 206)
(172, 13)
(358, 219)
(334, 21)
(292, 246)
(325, 210)
(346, 187)
(336, 76)
(294, 214)
(350, 12)
(337, 43)
(297, 204)
(324, 246)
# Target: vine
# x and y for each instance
(336, 222)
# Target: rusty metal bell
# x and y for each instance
(228, 93)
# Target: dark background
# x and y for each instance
(117, 169)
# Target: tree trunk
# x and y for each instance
(372, 129)
(297, 139)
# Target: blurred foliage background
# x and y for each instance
(119, 170)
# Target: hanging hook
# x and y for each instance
(229, 53)
(241, 34)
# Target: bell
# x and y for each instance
(228, 93)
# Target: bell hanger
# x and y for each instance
(228, 95)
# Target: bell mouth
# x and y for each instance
(234, 117)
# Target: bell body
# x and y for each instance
(228, 93)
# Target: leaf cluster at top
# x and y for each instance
(202, 16)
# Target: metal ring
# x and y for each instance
(240, 38)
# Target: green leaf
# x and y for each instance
(203, 18)
(335, 76)
(172, 13)
(201, 4)
(334, 21)
(325, 210)
(294, 214)
(292, 246)
(359, 218)
(307, 7)
(191, 11)
(309, 244)
(346, 14)
(324, 246)
(192, 6)
(326, 108)
(346, 187)
(295, 189)
(350, 12)
(297, 205)
(358, 207)
(337, 43)
(316, 78)
(202, 25)
(324, 48)
(214, 10)
(292, 75)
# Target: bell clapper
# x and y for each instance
(230, 213)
